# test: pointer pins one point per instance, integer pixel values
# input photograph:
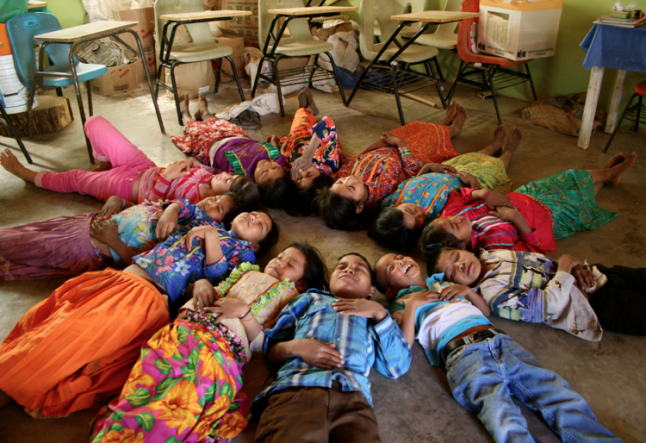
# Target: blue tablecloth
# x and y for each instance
(615, 47)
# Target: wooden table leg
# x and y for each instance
(617, 96)
(591, 100)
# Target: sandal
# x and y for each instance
(248, 119)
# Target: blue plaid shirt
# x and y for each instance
(362, 343)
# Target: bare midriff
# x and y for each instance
(470, 331)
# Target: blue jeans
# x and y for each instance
(483, 376)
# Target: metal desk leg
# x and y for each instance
(591, 100)
(5, 117)
(150, 83)
(79, 97)
(617, 96)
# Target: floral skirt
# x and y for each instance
(570, 197)
(199, 136)
(428, 142)
(490, 171)
(185, 387)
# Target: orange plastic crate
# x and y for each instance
(5, 46)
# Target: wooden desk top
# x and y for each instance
(36, 4)
(205, 14)
(435, 16)
(83, 32)
(312, 10)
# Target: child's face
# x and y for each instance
(289, 264)
(305, 176)
(266, 171)
(459, 266)
(397, 272)
(458, 226)
(413, 216)
(351, 278)
(217, 207)
(221, 183)
(351, 187)
(251, 226)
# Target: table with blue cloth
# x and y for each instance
(613, 47)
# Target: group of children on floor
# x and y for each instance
(169, 335)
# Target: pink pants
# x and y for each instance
(109, 145)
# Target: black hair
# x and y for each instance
(315, 269)
(248, 197)
(371, 272)
(390, 232)
(272, 236)
(434, 257)
(381, 288)
(434, 238)
(303, 204)
(278, 193)
(341, 212)
(235, 211)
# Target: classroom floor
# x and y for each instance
(417, 407)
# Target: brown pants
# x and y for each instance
(317, 415)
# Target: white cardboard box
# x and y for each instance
(519, 30)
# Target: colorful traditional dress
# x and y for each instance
(569, 195)
(429, 142)
(328, 157)
(186, 385)
(63, 247)
(490, 232)
(490, 171)
(225, 147)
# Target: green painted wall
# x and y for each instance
(564, 72)
(68, 12)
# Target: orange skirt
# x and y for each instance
(428, 142)
(80, 343)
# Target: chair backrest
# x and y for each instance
(199, 32)
(299, 28)
(464, 29)
(449, 28)
(379, 11)
(21, 30)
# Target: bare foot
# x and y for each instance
(13, 165)
(450, 114)
(303, 101)
(498, 137)
(621, 168)
(311, 105)
(183, 108)
(458, 121)
(614, 160)
(513, 140)
(203, 107)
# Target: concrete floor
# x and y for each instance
(418, 407)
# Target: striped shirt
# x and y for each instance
(362, 343)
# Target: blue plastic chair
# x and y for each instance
(21, 30)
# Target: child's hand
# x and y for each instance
(316, 353)
(505, 213)
(568, 262)
(360, 308)
(105, 231)
(199, 232)
(203, 294)
(469, 180)
(302, 162)
(112, 206)
(229, 308)
(437, 167)
(495, 200)
(452, 292)
(390, 139)
(584, 277)
(178, 169)
(167, 223)
(421, 298)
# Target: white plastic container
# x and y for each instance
(13, 94)
(519, 30)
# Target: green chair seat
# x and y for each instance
(197, 52)
(412, 54)
(293, 47)
(438, 41)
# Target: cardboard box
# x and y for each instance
(122, 78)
(237, 44)
(192, 78)
(246, 27)
(145, 28)
(152, 68)
(519, 30)
(5, 46)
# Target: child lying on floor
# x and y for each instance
(484, 366)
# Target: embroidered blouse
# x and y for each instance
(241, 155)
